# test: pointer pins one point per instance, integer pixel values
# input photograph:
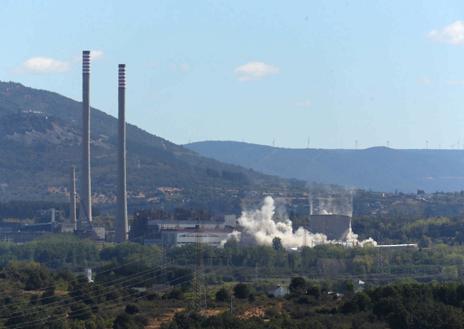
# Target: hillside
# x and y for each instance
(379, 168)
(40, 139)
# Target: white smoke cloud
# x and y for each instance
(352, 241)
(261, 226)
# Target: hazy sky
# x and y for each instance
(257, 71)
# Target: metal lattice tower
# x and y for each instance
(199, 282)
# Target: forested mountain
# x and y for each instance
(40, 136)
(378, 168)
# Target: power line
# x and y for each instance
(199, 282)
(125, 279)
(63, 302)
(21, 325)
(98, 273)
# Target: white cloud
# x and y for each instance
(44, 65)
(255, 71)
(180, 67)
(455, 82)
(452, 34)
(184, 67)
(305, 104)
(425, 81)
(96, 54)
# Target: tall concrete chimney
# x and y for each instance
(73, 199)
(85, 214)
(121, 217)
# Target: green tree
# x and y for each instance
(241, 290)
(222, 295)
(297, 285)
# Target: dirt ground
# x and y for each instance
(165, 318)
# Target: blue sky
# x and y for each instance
(255, 71)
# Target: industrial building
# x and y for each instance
(169, 232)
(162, 225)
(330, 212)
(335, 227)
(182, 237)
(25, 232)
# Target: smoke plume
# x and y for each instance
(260, 226)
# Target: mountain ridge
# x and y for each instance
(377, 168)
(40, 136)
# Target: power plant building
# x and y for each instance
(330, 213)
(178, 238)
(169, 232)
(335, 227)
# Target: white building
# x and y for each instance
(184, 237)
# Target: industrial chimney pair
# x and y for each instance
(85, 215)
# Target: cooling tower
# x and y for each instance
(85, 214)
(331, 209)
(121, 217)
(335, 227)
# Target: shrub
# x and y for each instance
(222, 295)
(241, 291)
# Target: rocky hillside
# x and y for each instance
(40, 140)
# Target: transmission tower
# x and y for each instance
(164, 259)
(199, 282)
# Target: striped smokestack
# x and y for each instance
(85, 214)
(121, 219)
(73, 199)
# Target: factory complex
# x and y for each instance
(329, 214)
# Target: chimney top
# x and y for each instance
(86, 61)
(122, 75)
